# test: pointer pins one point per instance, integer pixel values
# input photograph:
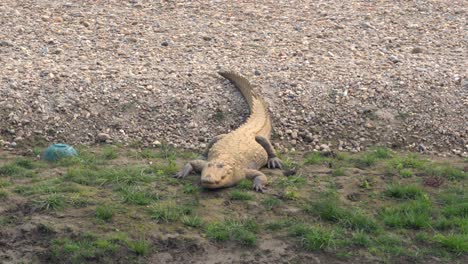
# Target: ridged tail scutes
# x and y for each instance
(242, 84)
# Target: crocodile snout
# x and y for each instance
(209, 180)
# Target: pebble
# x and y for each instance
(102, 137)
(394, 59)
(126, 80)
(417, 50)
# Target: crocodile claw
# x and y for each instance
(274, 163)
(258, 187)
(184, 172)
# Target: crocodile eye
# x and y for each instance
(209, 165)
(220, 165)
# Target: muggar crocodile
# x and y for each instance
(241, 153)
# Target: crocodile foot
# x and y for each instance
(259, 187)
(274, 163)
(184, 172)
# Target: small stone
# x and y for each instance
(4, 43)
(156, 143)
(324, 147)
(206, 38)
(257, 72)
(165, 44)
(103, 137)
(417, 50)
(464, 83)
(394, 59)
(293, 142)
(13, 144)
(294, 135)
(422, 148)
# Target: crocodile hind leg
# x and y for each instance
(193, 165)
(259, 179)
(273, 161)
(211, 143)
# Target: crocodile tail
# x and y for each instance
(242, 84)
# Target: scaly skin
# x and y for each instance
(240, 154)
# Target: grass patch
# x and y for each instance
(105, 213)
(361, 239)
(457, 243)
(169, 212)
(109, 153)
(242, 232)
(271, 202)
(140, 247)
(15, 170)
(82, 248)
(329, 210)
(338, 172)
(168, 169)
(120, 176)
(411, 215)
(245, 184)
(290, 193)
(237, 195)
(279, 224)
(3, 194)
(52, 202)
(454, 224)
(315, 158)
(314, 237)
(456, 210)
(404, 191)
(138, 196)
(4, 183)
(446, 171)
(192, 221)
(388, 244)
(409, 161)
(189, 189)
(371, 157)
(291, 181)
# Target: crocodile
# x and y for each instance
(241, 153)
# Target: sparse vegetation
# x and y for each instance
(140, 247)
(105, 212)
(315, 158)
(238, 195)
(169, 211)
(105, 194)
(192, 221)
(314, 237)
(413, 215)
(51, 202)
(404, 191)
(242, 232)
(271, 202)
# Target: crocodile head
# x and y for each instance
(216, 174)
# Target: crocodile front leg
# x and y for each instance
(259, 179)
(193, 165)
(273, 161)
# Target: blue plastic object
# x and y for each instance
(57, 151)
